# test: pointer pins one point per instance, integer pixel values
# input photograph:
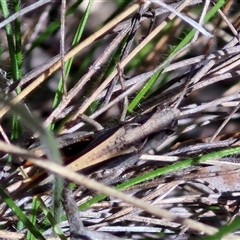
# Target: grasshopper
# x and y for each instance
(122, 143)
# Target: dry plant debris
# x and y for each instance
(143, 101)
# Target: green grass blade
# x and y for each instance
(15, 52)
(144, 91)
(18, 41)
(33, 217)
(51, 219)
(165, 170)
(77, 37)
(208, 16)
(10, 39)
(183, 43)
(224, 230)
(22, 216)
